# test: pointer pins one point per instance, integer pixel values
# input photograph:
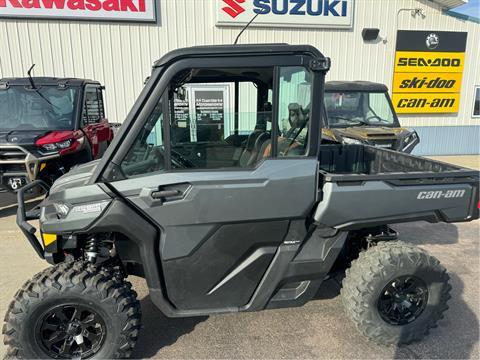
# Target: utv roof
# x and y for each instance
(236, 50)
(43, 80)
(333, 86)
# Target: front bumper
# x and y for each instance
(23, 217)
(17, 162)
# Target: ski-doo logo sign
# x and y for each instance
(286, 13)
(111, 10)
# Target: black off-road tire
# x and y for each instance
(374, 269)
(101, 289)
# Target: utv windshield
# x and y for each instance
(45, 108)
(358, 109)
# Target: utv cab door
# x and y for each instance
(223, 218)
(93, 123)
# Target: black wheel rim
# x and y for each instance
(71, 331)
(403, 300)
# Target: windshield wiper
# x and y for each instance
(34, 88)
(357, 121)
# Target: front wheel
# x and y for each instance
(73, 310)
(395, 292)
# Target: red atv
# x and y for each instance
(48, 125)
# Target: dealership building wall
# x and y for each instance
(120, 55)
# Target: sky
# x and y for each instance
(472, 8)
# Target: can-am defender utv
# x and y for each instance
(361, 112)
(218, 223)
(48, 125)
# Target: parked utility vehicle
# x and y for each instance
(220, 224)
(361, 112)
(47, 126)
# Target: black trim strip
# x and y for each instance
(275, 110)
(166, 129)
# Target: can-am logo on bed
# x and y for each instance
(111, 10)
(286, 13)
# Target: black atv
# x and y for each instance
(220, 210)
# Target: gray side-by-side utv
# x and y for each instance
(222, 210)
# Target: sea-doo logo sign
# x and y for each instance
(286, 13)
(432, 41)
(112, 10)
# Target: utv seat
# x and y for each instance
(252, 147)
(256, 154)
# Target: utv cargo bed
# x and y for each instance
(365, 186)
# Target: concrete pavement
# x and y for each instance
(468, 161)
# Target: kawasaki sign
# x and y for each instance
(286, 13)
(111, 10)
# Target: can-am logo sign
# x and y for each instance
(286, 13)
(112, 10)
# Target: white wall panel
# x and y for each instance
(121, 55)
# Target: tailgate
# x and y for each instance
(354, 204)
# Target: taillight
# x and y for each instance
(62, 142)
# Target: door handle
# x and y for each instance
(163, 194)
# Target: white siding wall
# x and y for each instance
(120, 55)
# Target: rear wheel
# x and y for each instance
(394, 293)
(73, 310)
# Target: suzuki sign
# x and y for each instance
(286, 13)
(111, 10)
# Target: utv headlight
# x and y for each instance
(49, 147)
(352, 141)
(58, 145)
(410, 141)
(64, 144)
(411, 138)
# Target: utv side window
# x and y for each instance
(295, 88)
(147, 153)
(220, 118)
(93, 110)
(378, 109)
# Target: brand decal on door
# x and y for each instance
(286, 13)
(113, 10)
